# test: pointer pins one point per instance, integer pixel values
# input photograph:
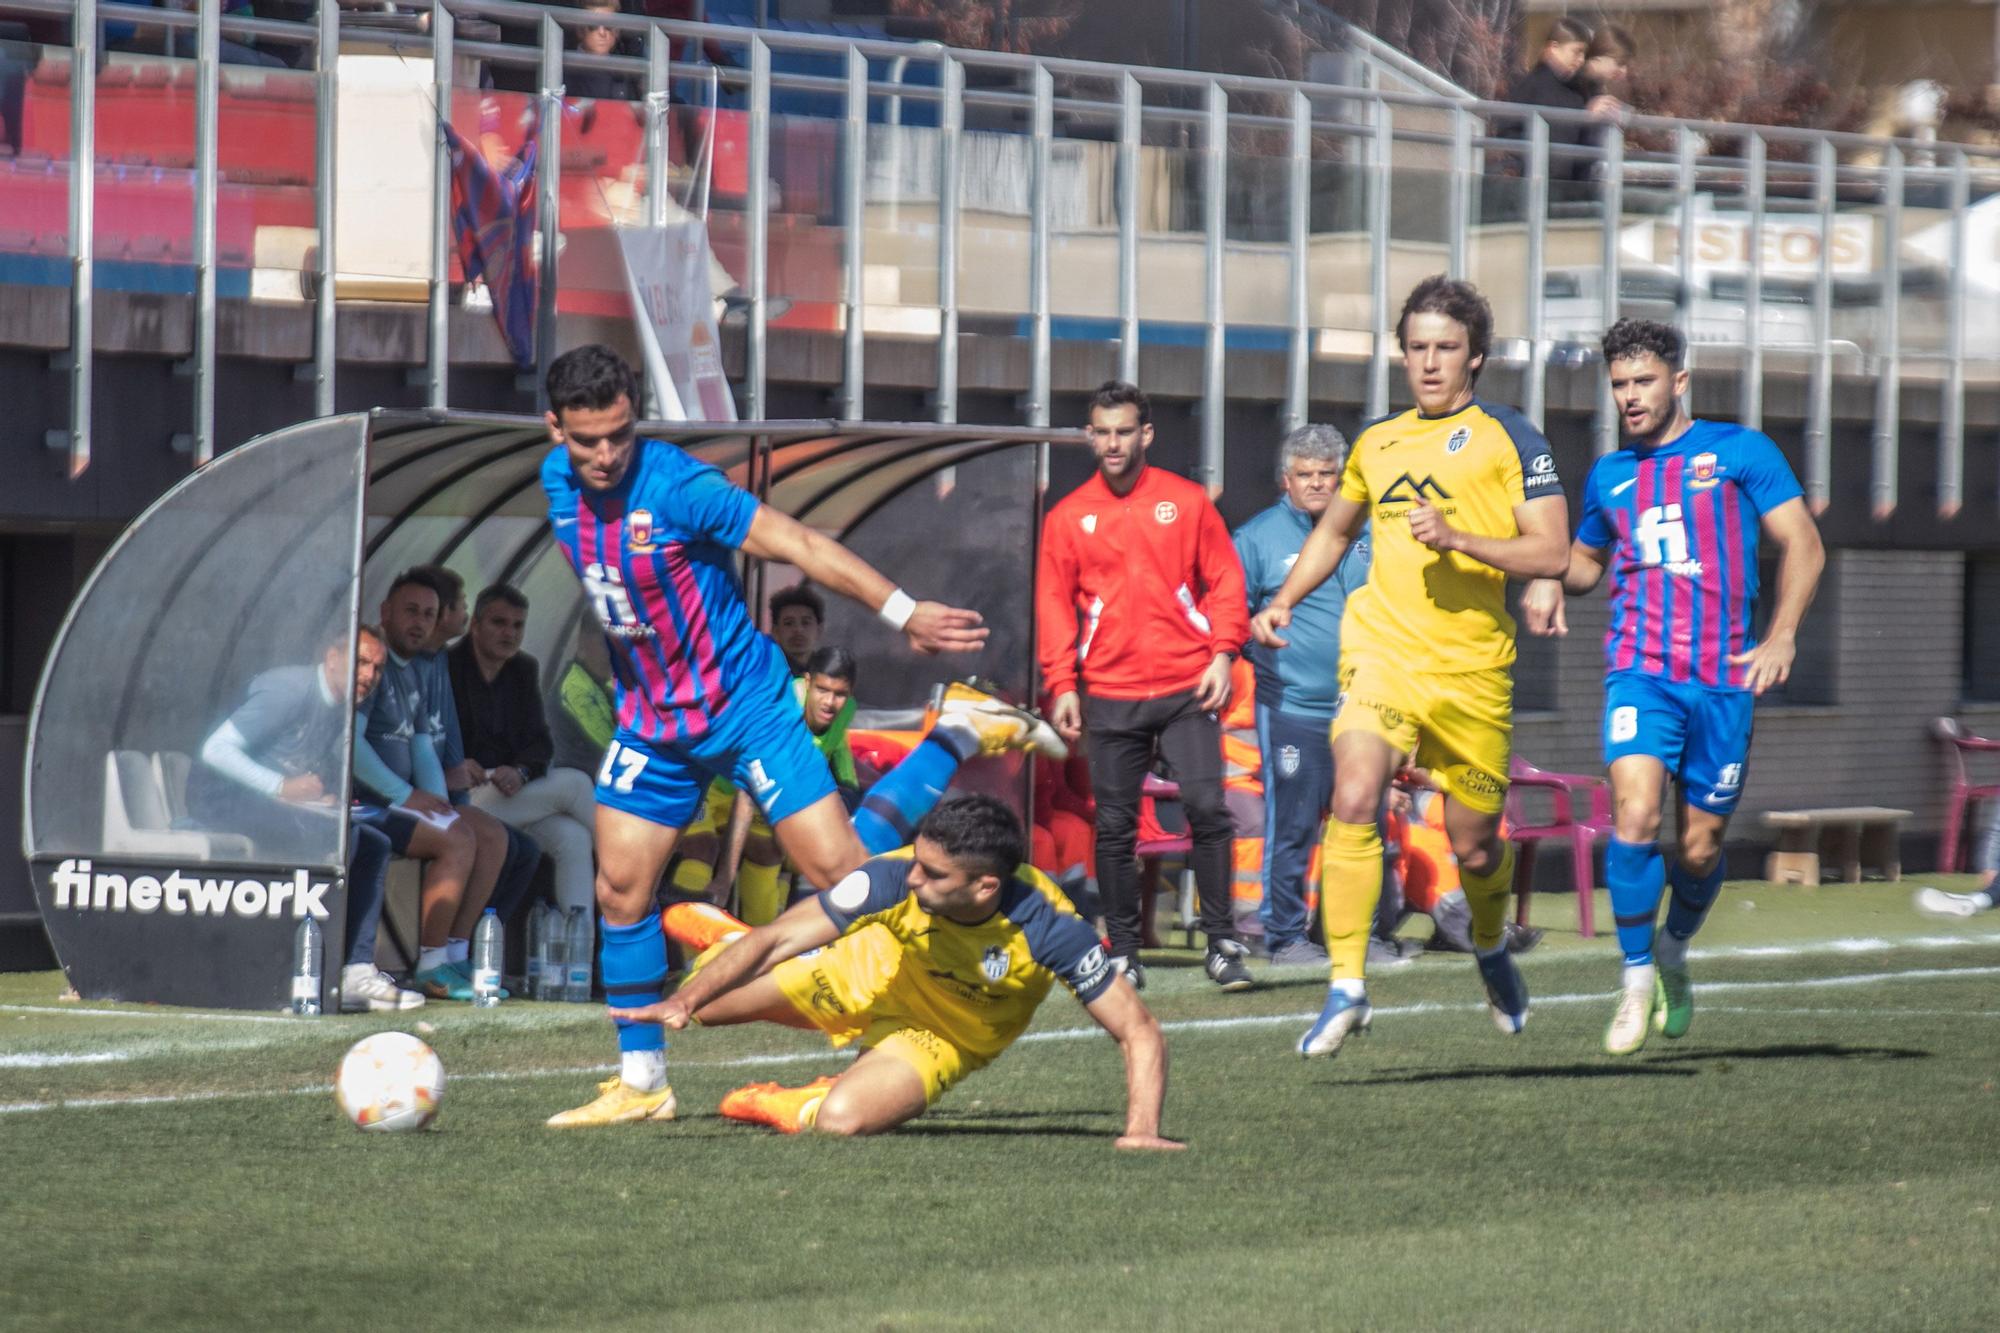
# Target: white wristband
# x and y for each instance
(898, 609)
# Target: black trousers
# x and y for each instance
(1125, 735)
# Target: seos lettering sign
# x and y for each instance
(1788, 245)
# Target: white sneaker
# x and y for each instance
(1954, 906)
(364, 989)
(1634, 1017)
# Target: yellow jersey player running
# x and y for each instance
(933, 959)
(1459, 494)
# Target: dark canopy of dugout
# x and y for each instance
(270, 555)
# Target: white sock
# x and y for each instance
(457, 950)
(1670, 950)
(1984, 897)
(644, 1071)
(1352, 987)
(1639, 976)
(431, 956)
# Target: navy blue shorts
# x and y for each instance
(1702, 735)
(399, 826)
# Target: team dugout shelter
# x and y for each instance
(279, 548)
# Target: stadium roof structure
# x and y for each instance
(267, 558)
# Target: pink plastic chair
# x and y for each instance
(1151, 852)
(1580, 813)
(1965, 793)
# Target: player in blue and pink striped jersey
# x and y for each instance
(1677, 516)
(703, 694)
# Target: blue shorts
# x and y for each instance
(1702, 735)
(763, 746)
(398, 825)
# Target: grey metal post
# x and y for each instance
(1951, 411)
(438, 356)
(1606, 419)
(82, 236)
(326, 60)
(548, 203)
(1129, 113)
(854, 185)
(1534, 401)
(1215, 184)
(207, 105)
(659, 53)
(1298, 369)
(1038, 252)
(1457, 195)
(756, 367)
(1750, 387)
(1819, 405)
(1684, 183)
(1379, 182)
(951, 122)
(1886, 483)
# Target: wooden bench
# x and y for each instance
(1851, 836)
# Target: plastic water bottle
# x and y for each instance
(538, 947)
(581, 946)
(489, 950)
(555, 957)
(308, 967)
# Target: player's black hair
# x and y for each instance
(1119, 393)
(1644, 337)
(424, 577)
(341, 640)
(978, 832)
(1454, 299)
(505, 593)
(835, 661)
(798, 594)
(591, 377)
(450, 583)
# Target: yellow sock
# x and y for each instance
(759, 893)
(1486, 895)
(692, 876)
(809, 1110)
(1350, 884)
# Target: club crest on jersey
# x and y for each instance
(1703, 468)
(1089, 524)
(639, 527)
(994, 963)
(1165, 512)
(1288, 760)
(1459, 439)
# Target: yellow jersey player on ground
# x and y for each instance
(1459, 495)
(933, 959)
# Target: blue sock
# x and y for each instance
(900, 798)
(1691, 899)
(1637, 875)
(633, 962)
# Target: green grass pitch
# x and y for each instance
(1822, 1151)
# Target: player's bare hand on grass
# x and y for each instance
(936, 628)
(1770, 662)
(1542, 608)
(1264, 626)
(669, 1012)
(1211, 695)
(1148, 1143)
(1427, 525)
(1066, 716)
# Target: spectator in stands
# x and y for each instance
(400, 779)
(271, 771)
(600, 39)
(1140, 601)
(1606, 70)
(1552, 83)
(1297, 689)
(798, 618)
(497, 691)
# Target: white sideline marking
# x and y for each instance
(57, 1059)
(1054, 1034)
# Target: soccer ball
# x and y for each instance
(389, 1082)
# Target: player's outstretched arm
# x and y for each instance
(802, 926)
(1318, 558)
(1121, 1012)
(1801, 558)
(1541, 551)
(931, 627)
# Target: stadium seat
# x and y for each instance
(1567, 794)
(1965, 793)
(138, 816)
(1155, 845)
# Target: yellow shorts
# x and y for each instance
(848, 991)
(712, 815)
(1459, 725)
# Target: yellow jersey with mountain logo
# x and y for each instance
(1440, 611)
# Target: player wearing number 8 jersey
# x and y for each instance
(1676, 516)
(703, 694)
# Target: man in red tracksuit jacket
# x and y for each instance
(1140, 601)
